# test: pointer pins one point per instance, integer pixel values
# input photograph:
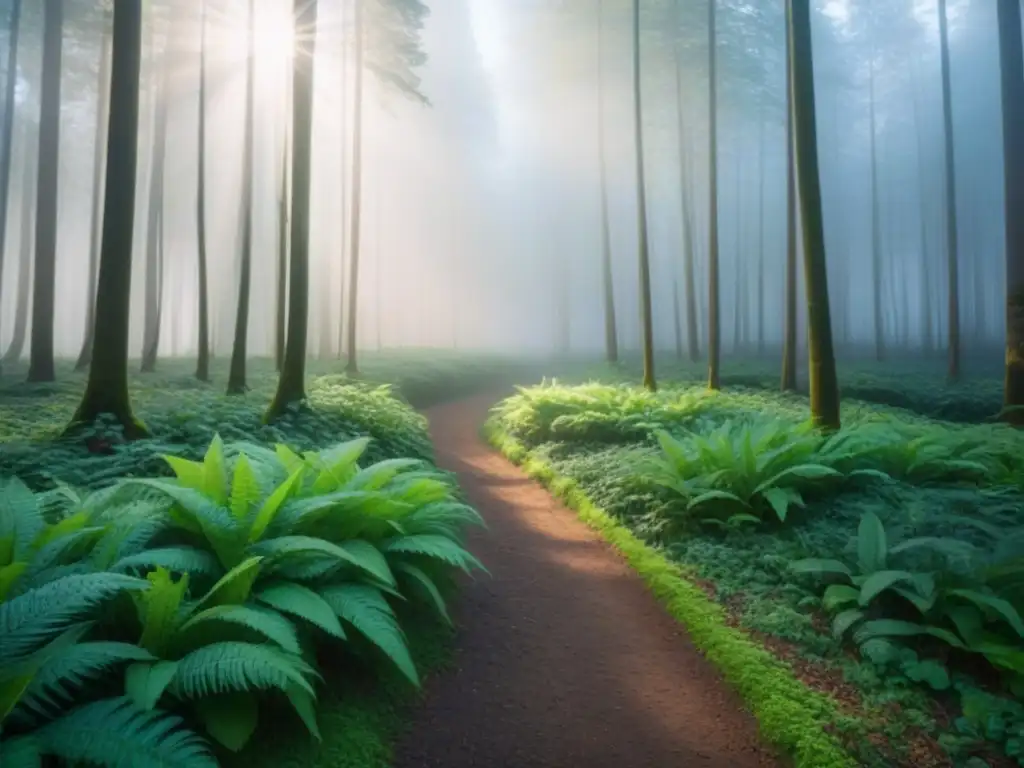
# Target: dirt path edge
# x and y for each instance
(791, 716)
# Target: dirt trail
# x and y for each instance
(563, 658)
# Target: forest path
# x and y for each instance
(563, 658)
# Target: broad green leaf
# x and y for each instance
(844, 620)
(879, 581)
(273, 503)
(993, 603)
(886, 628)
(158, 609)
(780, 500)
(189, 473)
(302, 602)
(305, 706)
(821, 566)
(420, 578)
(9, 574)
(245, 490)
(879, 651)
(215, 476)
(801, 471)
(145, 683)
(234, 587)
(871, 544)
(359, 554)
(838, 595)
(270, 624)
(230, 718)
(712, 496)
(928, 671)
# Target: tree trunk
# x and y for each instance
(154, 230)
(7, 129)
(236, 375)
(203, 359)
(641, 208)
(760, 233)
(824, 384)
(876, 227)
(952, 244)
(26, 246)
(692, 343)
(925, 263)
(281, 308)
(789, 336)
(1011, 63)
(611, 338)
(99, 155)
(41, 366)
(352, 367)
(342, 197)
(714, 310)
(291, 385)
(106, 390)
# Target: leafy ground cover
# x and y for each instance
(166, 596)
(884, 564)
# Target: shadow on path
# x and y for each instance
(563, 658)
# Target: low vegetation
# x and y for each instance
(884, 563)
(162, 597)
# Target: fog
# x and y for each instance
(481, 185)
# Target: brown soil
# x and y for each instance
(563, 658)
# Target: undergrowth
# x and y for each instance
(906, 534)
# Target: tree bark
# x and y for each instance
(641, 208)
(106, 390)
(352, 366)
(281, 303)
(291, 384)
(952, 239)
(714, 309)
(1011, 61)
(26, 245)
(611, 338)
(102, 111)
(239, 350)
(7, 129)
(824, 384)
(789, 335)
(876, 226)
(154, 230)
(203, 359)
(41, 364)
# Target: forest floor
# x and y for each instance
(563, 656)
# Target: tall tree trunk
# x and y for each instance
(739, 283)
(154, 230)
(952, 244)
(352, 366)
(281, 303)
(7, 129)
(106, 390)
(291, 384)
(41, 366)
(1011, 64)
(760, 232)
(789, 335)
(26, 246)
(824, 384)
(99, 156)
(876, 226)
(677, 318)
(925, 263)
(611, 339)
(203, 359)
(343, 102)
(239, 350)
(641, 209)
(685, 193)
(714, 309)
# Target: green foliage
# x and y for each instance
(911, 526)
(209, 594)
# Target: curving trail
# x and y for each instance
(563, 658)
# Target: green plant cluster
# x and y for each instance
(738, 487)
(139, 621)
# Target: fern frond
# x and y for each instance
(435, 547)
(116, 733)
(366, 609)
(234, 666)
(360, 554)
(303, 603)
(270, 624)
(175, 559)
(21, 520)
(33, 618)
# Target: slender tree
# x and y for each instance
(7, 128)
(824, 384)
(41, 365)
(789, 335)
(1011, 63)
(291, 384)
(99, 155)
(281, 303)
(355, 230)
(714, 308)
(686, 201)
(611, 338)
(641, 211)
(203, 361)
(876, 221)
(952, 239)
(106, 390)
(154, 230)
(26, 237)
(760, 232)
(236, 375)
